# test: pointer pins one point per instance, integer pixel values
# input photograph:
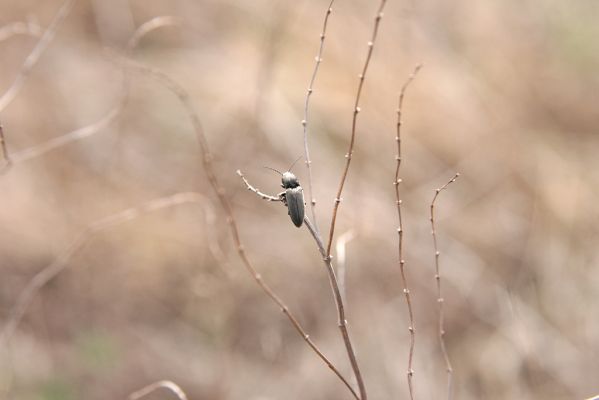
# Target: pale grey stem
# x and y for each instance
(306, 109)
(35, 54)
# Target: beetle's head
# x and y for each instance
(289, 180)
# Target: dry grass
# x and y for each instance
(507, 97)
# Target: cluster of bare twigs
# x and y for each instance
(125, 61)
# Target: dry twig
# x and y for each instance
(350, 151)
(93, 128)
(306, 108)
(170, 386)
(400, 231)
(340, 308)
(440, 299)
(35, 54)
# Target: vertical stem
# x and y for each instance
(341, 320)
(350, 151)
(440, 299)
(306, 108)
(400, 232)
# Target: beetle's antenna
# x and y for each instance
(276, 170)
(289, 169)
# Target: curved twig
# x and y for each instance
(93, 128)
(166, 385)
(400, 231)
(306, 108)
(35, 54)
(440, 299)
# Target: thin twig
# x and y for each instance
(400, 232)
(207, 159)
(341, 320)
(340, 308)
(170, 386)
(95, 127)
(440, 299)
(35, 54)
(61, 262)
(348, 156)
(6, 161)
(263, 196)
(306, 108)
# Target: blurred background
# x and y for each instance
(507, 96)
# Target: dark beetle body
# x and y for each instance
(293, 198)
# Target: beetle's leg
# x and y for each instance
(283, 198)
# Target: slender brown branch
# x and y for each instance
(207, 159)
(169, 386)
(61, 262)
(35, 54)
(348, 156)
(6, 161)
(340, 308)
(341, 321)
(306, 109)
(400, 232)
(440, 299)
(95, 127)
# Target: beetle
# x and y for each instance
(293, 196)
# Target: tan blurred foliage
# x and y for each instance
(508, 97)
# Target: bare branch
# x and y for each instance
(257, 191)
(400, 232)
(306, 108)
(166, 385)
(440, 299)
(342, 321)
(207, 159)
(348, 156)
(35, 54)
(95, 127)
